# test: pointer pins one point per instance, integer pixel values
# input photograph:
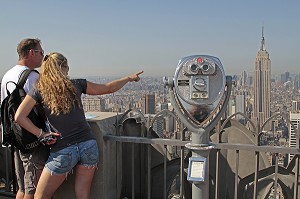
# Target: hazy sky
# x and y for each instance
(113, 38)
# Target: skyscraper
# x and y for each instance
(295, 119)
(294, 105)
(262, 84)
(244, 77)
(240, 104)
(149, 104)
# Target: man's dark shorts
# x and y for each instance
(28, 166)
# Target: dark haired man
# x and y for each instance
(28, 166)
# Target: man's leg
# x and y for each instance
(19, 170)
(33, 165)
(29, 176)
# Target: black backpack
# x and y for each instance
(14, 134)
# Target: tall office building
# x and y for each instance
(294, 105)
(295, 119)
(285, 77)
(250, 80)
(262, 84)
(244, 77)
(231, 106)
(149, 104)
(240, 106)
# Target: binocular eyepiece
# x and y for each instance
(205, 68)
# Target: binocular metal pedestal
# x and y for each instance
(198, 169)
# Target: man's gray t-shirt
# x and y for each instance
(73, 126)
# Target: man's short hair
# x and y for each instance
(25, 45)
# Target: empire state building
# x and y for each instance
(262, 84)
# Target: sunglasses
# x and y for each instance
(41, 51)
(45, 58)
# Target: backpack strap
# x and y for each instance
(23, 77)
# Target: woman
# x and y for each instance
(74, 143)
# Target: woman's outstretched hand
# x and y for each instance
(135, 77)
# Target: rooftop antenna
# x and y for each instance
(262, 47)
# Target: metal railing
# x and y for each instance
(176, 164)
(218, 147)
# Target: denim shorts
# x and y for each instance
(83, 153)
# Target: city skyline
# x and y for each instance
(119, 38)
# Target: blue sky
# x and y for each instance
(115, 38)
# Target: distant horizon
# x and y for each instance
(142, 76)
(118, 76)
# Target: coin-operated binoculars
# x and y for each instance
(199, 93)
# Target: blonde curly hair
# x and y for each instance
(56, 89)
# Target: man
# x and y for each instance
(28, 166)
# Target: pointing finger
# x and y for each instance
(139, 73)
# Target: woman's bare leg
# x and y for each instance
(83, 180)
(48, 184)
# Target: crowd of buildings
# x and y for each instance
(258, 96)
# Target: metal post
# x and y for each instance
(200, 148)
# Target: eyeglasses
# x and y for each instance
(41, 51)
(46, 57)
